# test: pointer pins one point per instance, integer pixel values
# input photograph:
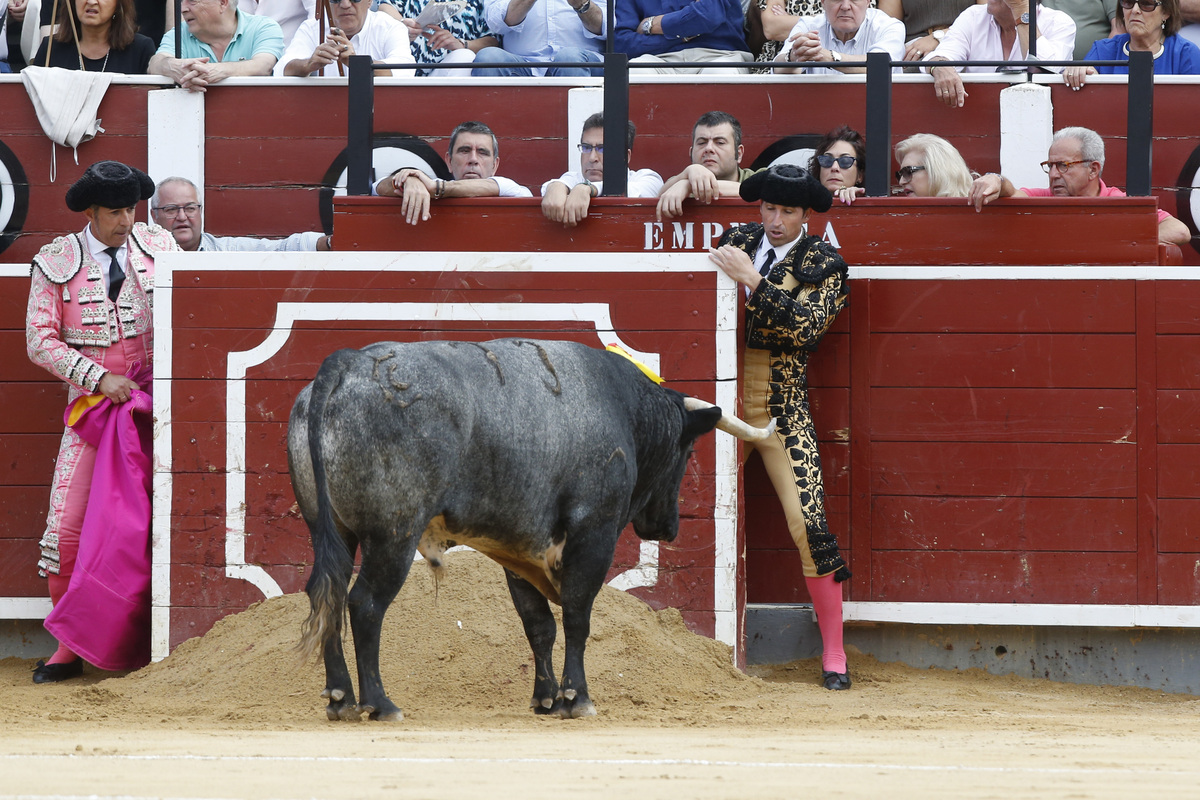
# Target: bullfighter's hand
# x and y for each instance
(117, 388)
(736, 264)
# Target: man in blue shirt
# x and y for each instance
(543, 30)
(683, 32)
(218, 43)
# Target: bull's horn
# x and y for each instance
(731, 424)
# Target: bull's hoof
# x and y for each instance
(546, 707)
(383, 711)
(341, 705)
(582, 707)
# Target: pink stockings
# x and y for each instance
(58, 587)
(826, 594)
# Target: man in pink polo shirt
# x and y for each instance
(1074, 163)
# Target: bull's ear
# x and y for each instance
(698, 422)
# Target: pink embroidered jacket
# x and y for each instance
(69, 314)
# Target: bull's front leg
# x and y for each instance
(540, 630)
(583, 575)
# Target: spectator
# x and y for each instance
(714, 172)
(474, 158)
(290, 14)
(90, 324)
(984, 33)
(565, 31)
(219, 43)
(796, 287)
(107, 41)
(840, 163)
(840, 39)
(679, 34)
(152, 17)
(455, 41)
(356, 30)
(566, 199)
(11, 57)
(931, 167)
(1094, 20)
(1074, 164)
(176, 207)
(925, 22)
(768, 23)
(1153, 27)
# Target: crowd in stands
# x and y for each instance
(220, 38)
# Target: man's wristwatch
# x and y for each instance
(583, 8)
(835, 55)
(647, 25)
(1024, 20)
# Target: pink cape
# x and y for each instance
(105, 614)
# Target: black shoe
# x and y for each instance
(53, 673)
(836, 681)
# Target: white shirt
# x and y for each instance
(765, 247)
(643, 183)
(879, 33)
(97, 248)
(975, 35)
(288, 13)
(296, 243)
(382, 38)
(506, 187)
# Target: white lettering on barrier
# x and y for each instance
(683, 235)
(682, 240)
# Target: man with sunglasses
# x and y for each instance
(1074, 164)
(998, 31)
(566, 199)
(176, 207)
(354, 30)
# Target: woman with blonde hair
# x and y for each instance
(931, 167)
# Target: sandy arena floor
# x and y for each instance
(234, 715)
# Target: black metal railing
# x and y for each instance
(616, 68)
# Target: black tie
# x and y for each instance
(766, 267)
(116, 276)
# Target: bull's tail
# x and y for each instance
(333, 562)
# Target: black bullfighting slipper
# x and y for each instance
(53, 673)
(836, 681)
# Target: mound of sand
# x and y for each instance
(447, 649)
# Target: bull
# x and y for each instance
(535, 453)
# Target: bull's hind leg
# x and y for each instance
(383, 572)
(338, 689)
(540, 630)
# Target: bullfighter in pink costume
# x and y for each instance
(90, 323)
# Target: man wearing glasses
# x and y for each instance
(176, 207)
(998, 31)
(1074, 164)
(566, 199)
(355, 30)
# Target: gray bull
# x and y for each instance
(535, 453)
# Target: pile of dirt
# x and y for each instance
(458, 645)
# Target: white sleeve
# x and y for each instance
(644, 183)
(510, 188)
(890, 36)
(302, 46)
(1057, 39)
(393, 43)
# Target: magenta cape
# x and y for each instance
(105, 614)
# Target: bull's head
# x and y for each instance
(658, 519)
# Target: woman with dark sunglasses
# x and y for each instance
(1151, 26)
(840, 162)
(931, 167)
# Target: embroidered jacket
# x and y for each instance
(787, 315)
(69, 313)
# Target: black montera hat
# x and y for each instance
(110, 184)
(787, 185)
